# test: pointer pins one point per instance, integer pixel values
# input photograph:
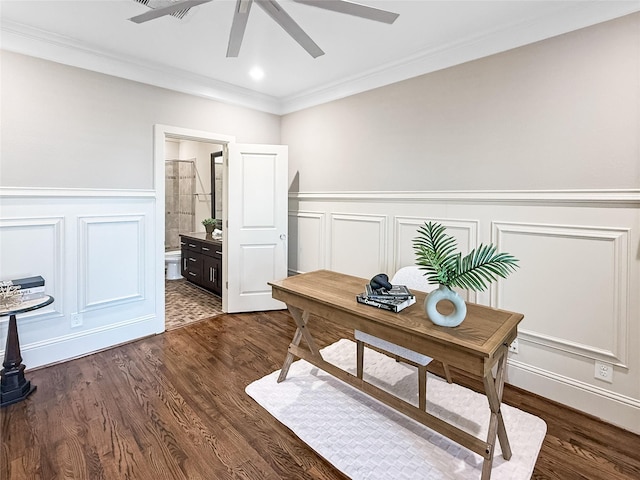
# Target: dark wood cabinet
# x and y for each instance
(202, 261)
(212, 273)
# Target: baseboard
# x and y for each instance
(606, 405)
(55, 350)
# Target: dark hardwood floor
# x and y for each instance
(173, 406)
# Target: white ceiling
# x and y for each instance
(188, 54)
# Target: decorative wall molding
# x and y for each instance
(27, 40)
(553, 349)
(623, 399)
(317, 220)
(567, 346)
(92, 296)
(629, 198)
(34, 225)
(619, 237)
(32, 41)
(12, 192)
(79, 240)
(130, 320)
(67, 347)
(380, 223)
(454, 53)
(611, 406)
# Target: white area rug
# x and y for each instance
(365, 439)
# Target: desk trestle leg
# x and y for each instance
(494, 389)
(301, 318)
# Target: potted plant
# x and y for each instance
(209, 224)
(436, 255)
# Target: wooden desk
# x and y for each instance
(476, 346)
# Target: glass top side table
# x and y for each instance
(13, 386)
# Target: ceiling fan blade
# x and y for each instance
(238, 26)
(168, 10)
(289, 25)
(352, 8)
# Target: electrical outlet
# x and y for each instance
(76, 320)
(604, 371)
(513, 348)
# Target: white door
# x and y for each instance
(256, 232)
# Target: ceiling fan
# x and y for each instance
(277, 13)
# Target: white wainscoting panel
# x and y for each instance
(112, 263)
(358, 244)
(29, 247)
(95, 250)
(573, 285)
(577, 284)
(307, 241)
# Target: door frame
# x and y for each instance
(160, 134)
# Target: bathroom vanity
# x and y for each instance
(202, 260)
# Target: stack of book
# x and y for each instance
(29, 288)
(395, 299)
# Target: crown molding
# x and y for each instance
(41, 44)
(576, 16)
(30, 41)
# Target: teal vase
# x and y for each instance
(459, 307)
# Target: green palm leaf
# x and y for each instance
(482, 266)
(435, 254)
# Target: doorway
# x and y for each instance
(162, 133)
(191, 181)
(254, 243)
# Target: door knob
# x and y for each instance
(283, 236)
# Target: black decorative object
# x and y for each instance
(381, 281)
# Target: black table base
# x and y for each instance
(13, 386)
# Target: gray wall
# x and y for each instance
(72, 128)
(559, 114)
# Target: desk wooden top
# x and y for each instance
(481, 334)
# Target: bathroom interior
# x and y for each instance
(193, 192)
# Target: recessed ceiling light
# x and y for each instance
(256, 73)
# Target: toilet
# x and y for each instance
(172, 264)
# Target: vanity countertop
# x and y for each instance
(203, 237)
